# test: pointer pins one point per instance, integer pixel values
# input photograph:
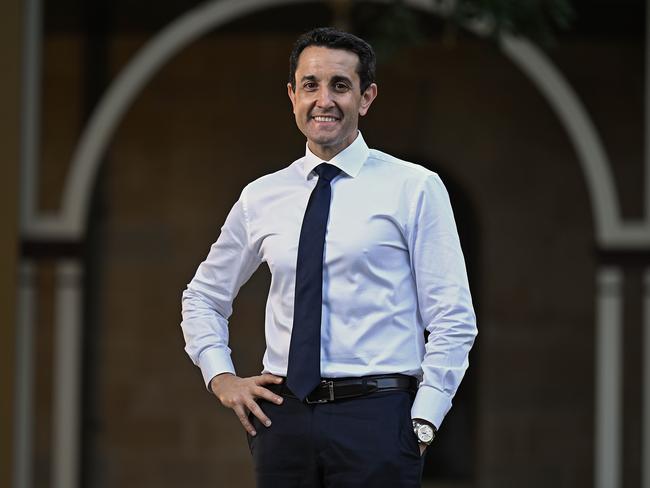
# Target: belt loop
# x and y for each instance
(330, 385)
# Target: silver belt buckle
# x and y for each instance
(330, 398)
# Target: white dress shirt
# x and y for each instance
(393, 266)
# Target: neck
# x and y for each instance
(328, 152)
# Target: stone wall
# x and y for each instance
(217, 117)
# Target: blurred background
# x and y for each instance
(129, 128)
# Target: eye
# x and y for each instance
(310, 85)
(340, 86)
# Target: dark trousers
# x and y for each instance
(359, 442)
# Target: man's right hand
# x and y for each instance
(240, 394)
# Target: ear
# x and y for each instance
(292, 96)
(367, 98)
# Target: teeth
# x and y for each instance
(324, 119)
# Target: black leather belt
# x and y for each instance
(332, 389)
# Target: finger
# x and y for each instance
(259, 413)
(266, 394)
(269, 378)
(243, 418)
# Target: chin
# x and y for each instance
(324, 141)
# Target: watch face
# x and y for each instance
(425, 433)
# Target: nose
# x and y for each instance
(324, 98)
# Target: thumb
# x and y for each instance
(269, 378)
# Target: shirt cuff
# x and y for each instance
(431, 405)
(215, 361)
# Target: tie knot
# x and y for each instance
(327, 171)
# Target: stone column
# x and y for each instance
(10, 83)
(609, 388)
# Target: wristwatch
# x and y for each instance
(424, 431)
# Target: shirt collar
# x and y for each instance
(349, 160)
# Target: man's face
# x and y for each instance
(327, 100)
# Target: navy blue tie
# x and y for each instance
(303, 372)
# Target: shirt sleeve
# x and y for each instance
(444, 299)
(207, 300)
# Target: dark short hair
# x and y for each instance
(335, 39)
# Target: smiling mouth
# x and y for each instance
(324, 118)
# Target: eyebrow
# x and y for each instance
(335, 78)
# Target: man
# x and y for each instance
(364, 257)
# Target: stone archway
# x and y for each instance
(69, 222)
